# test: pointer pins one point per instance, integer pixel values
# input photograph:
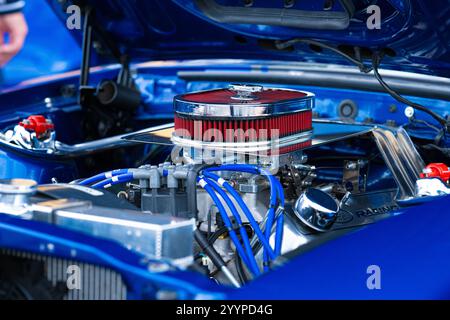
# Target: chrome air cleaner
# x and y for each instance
(245, 117)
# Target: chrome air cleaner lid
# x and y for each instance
(239, 101)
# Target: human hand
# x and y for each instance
(15, 26)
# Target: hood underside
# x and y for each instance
(413, 34)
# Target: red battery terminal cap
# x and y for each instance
(436, 170)
(38, 124)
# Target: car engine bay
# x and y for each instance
(244, 178)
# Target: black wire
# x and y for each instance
(440, 132)
(376, 59)
(213, 238)
(424, 123)
(239, 267)
(221, 231)
(285, 44)
(209, 222)
(198, 256)
(240, 270)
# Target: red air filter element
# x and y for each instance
(284, 125)
(245, 114)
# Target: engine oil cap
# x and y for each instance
(316, 209)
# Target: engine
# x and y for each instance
(252, 181)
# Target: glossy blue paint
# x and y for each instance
(39, 168)
(159, 83)
(412, 264)
(394, 246)
(410, 250)
(413, 31)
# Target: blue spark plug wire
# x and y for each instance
(245, 210)
(103, 176)
(237, 217)
(123, 178)
(225, 219)
(277, 195)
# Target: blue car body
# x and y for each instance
(410, 248)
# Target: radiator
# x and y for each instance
(97, 283)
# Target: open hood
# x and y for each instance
(414, 35)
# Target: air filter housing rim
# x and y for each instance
(247, 109)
